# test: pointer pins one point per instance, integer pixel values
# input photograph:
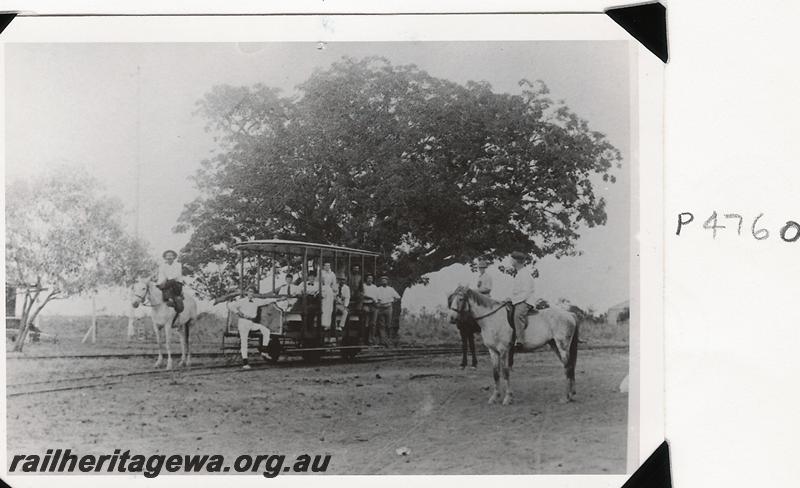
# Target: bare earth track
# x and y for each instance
(359, 412)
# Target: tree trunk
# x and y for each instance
(23, 324)
(28, 318)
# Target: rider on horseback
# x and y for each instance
(522, 296)
(170, 280)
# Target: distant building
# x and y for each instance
(620, 312)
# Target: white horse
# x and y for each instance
(145, 292)
(555, 327)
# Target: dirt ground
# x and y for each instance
(359, 412)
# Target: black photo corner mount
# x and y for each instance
(5, 19)
(647, 23)
(654, 472)
(3, 484)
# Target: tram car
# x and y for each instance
(299, 320)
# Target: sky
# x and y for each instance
(126, 112)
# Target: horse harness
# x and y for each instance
(465, 305)
(143, 298)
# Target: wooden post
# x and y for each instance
(94, 318)
(92, 330)
(131, 330)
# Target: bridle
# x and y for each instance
(143, 298)
(466, 307)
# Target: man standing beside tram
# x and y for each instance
(246, 309)
(386, 296)
(370, 309)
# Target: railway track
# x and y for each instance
(105, 380)
(231, 366)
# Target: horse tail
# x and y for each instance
(573, 352)
(513, 340)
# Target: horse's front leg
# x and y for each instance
(463, 348)
(182, 362)
(186, 339)
(160, 359)
(185, 353)
(496, 372)
(472, 349)
(167, 331)
(507, 399)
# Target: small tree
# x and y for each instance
(64, 237)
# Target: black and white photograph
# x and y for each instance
(395, 257)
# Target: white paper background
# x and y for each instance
(732, 318)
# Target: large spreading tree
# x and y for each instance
(65, 237)
(369, 155)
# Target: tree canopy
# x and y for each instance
(389, 158)
(64, 237)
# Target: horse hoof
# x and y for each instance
(474, 366)
(492, 399)
(463, 366)
(507, 401)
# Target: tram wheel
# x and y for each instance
(311, 356)
(350, 354)
(274, 350)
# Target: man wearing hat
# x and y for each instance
(246, 309)
(521, 295)
(170, 280)
(342, 301)
(370, 308)
(484, 284)
(386, 296)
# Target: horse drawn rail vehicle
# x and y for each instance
(307, 314)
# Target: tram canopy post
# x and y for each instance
(258, 272)
(241, 273)
(274, 268)
(305, 284)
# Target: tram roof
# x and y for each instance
(297, 247)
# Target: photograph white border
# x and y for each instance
(646, 399)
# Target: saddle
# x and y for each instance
(510, 313)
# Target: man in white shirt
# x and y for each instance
(484, 284)
(289, 289)
(370, 308)
(342, 301)
(328, 288)
(246, 309)
(170, 280)
(386, 296)
(521, 295)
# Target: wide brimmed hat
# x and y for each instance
(168, 251)
(482, 263)
(519, 256)
(340, 276)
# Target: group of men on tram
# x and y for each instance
(341, 295)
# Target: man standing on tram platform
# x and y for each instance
(342, 302)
